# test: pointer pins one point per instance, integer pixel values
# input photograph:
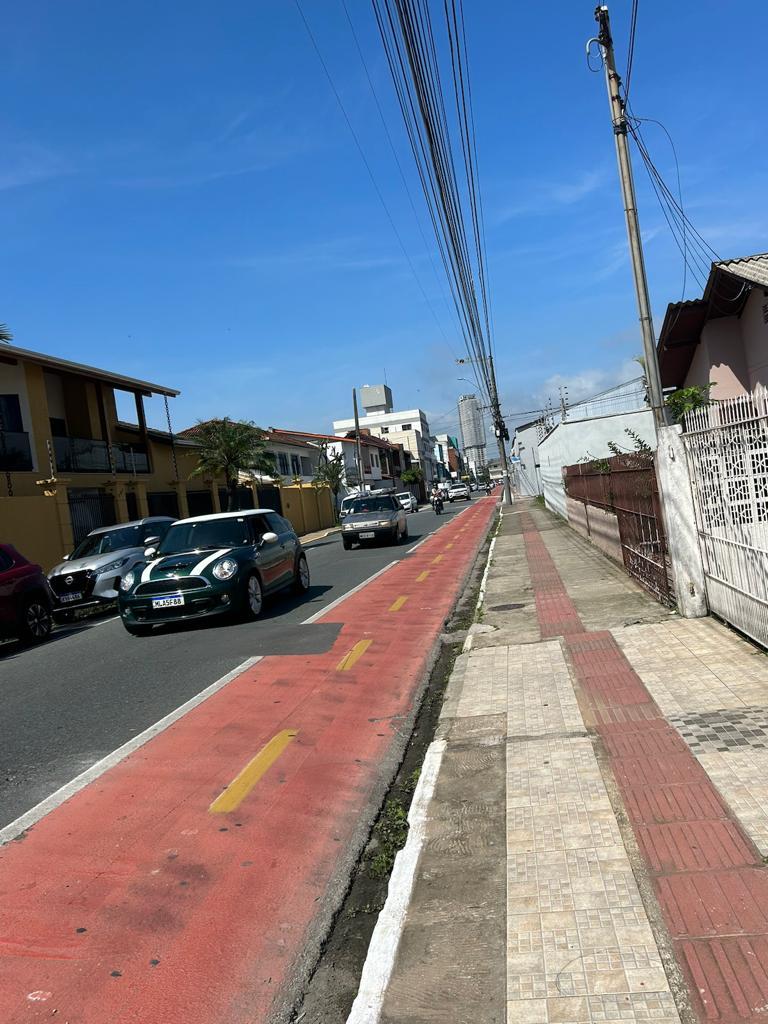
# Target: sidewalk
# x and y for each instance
(618, 756)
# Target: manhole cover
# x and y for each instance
(505, 607)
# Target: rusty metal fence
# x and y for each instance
(626, 486)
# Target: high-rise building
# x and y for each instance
(472, 431)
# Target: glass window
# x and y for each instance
(156, 529)
(373, 505)
(306, 466)
(282, 463)
(407, 426)
(295, 465)
(385, 430)
(259, 526)
(111, 540)
(275, 522)
(206, 535)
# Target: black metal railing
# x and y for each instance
(88, 455)
(15, 451)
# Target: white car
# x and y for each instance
(457, 491)
(408, 501)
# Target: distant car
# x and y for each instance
(25, 600)
(211, 565)
(90, 576)
(458, 491)
(374, 517)
(408, 501)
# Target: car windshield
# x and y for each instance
(111, 540)
(371, 505)
(205, 534)
(405, 494)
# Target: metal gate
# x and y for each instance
(727, 449)
(90, 508)
(626, 486)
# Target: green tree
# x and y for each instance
(231, 447)
(413, 475)
(688, 399)
(5, 335)
(330, 472)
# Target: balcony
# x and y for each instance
(15, 452)
(87, 455)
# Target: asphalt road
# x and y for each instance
(70, 702)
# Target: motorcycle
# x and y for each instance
(437, 504)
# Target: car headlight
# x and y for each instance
(127, 581)
(347, 526)
(111, 566)
(225, 569)
(384, 522)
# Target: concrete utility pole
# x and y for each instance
(359, 447)
(618, 116)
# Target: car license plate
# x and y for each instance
(67, 598)
(369, 535)
(168, 602)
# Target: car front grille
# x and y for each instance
(80, 582)
(156, 588)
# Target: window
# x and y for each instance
(58, 427)
(10, 414)
(259, 526)
(407, 426)
(276, 522)
(306, 465)
(385, 430)
(295, 466)
(282, 463)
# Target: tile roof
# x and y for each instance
(749, 268)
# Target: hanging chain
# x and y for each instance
(170, 434)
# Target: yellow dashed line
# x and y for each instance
(243, 783)
(353, 656)
(436, 560)
(449, 546)
(422, 576)
(398, 603)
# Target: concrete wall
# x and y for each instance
(575, 440)
(39, 528)
(733, 351)
(755, 333)
(597, 525)
(527, 469)
(309, 509)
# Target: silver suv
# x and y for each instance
(91, 575)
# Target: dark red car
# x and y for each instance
(25, 602)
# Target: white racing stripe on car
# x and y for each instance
(148, 570)
(207, 561)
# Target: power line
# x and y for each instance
(630, 49)
(368, 168)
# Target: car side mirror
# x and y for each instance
(152, 542)
(65, 558)
(150, 552)
(269, 538)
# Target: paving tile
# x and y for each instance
(701, 904)
(694, 845)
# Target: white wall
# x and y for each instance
(575, 440)
(527, 469)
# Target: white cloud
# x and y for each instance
(545, 197)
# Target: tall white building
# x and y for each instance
(409, 428)
(472, 432)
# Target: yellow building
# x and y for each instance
(68, 464)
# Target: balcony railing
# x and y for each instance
(87, 455)
(15, 452)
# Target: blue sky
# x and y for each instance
(181, 200)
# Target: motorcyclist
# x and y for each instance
(436, 499)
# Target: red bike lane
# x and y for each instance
(185, 883)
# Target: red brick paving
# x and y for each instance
(709, 878)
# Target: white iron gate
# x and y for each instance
(727, 447)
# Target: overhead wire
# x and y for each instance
(367, 165)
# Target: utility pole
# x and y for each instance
(359, 447)
(619, 118)
(499, 429)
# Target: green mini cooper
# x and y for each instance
(213, 565)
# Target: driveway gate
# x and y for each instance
(626, 486)
(727, 448)
(90, 508)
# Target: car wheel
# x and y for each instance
(347, 542)
(404, 534)
(253, 598)
(137, 629)
(36, 621)
(301, 578)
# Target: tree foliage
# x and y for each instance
(413, 475)
(330, 471)
(5, 335)
(688, 399)
(231, 447)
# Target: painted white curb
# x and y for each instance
(385, 940)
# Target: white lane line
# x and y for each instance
(349, 593)
(50, 803)
(377, 969)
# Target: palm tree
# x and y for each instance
(330, 472)
(231, 447)
(5, 335)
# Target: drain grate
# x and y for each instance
(505, 607)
